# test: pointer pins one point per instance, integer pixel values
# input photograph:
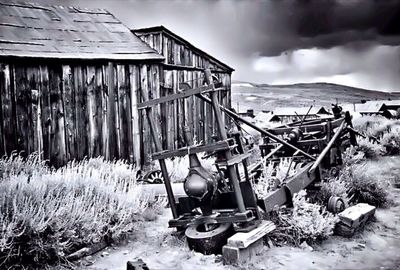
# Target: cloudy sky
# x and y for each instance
(352, 42)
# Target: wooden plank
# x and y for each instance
(69, 103)
(170, 127)
(181, 114)
(99, 92)
(9, 119)
(135, 84)
(119, 112)
(170, 56)
(175, 85)
(145, 135)
(245, 239)
(80, 113)
(21, 99)
(179, 95)
(92, 111)
(2, 92)
(58, 147)
(104, 114)
(155, 94)
(32, 85)
(165, 48)
(183, 151)
(119, 74)
(112, 138)
(127, 116)
(45, 111)
(200, 109)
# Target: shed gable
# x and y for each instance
(179, 52)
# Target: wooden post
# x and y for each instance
(134, 84)
(92, 111)
(158, 147)
(232, 173)
(111, 113)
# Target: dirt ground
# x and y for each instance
(377, 247)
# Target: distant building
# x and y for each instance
(298, 113)
(387, 108)
(248, 113)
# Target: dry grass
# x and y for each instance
(47, 214)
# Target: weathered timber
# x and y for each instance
(92, 111)
(69, 101)
(117, 119)
(135, 84)
(245, 239)
(112, 139)
(216, 146)
(99, 90)
(181, 94)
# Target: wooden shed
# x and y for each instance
(186, 63)
(69, 81)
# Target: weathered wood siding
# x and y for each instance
(185, 64)
(73, 111)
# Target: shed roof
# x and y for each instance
(392, 102)
(162, 28)
(370, 107)
(288, 111)
(31, 30)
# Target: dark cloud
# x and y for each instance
(326, 23)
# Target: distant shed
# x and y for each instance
(370, 107)
(186, 63)
(69, 82)
(297, 113)
(392, 105)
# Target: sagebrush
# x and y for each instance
(306, 221)
(47, 214)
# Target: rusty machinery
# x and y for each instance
(217, 205)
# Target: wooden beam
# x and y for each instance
(181, 94)
(217, 146)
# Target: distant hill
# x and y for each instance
(267, 97)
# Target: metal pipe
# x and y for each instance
(262, 131)
(327, 148)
